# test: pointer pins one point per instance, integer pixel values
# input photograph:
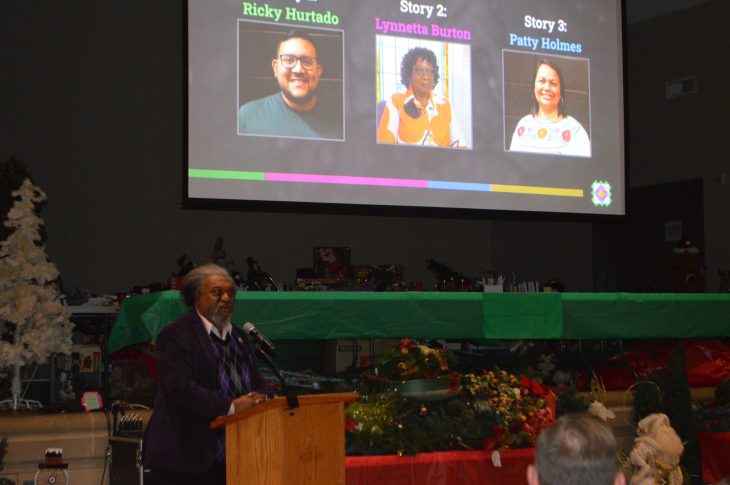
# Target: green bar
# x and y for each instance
(523, 315)
(646, 315)
(325, 315)
(318, 315)
(225, 174)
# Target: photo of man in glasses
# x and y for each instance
(299, 108)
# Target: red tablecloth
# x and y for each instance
(715, 449)
(442, 468)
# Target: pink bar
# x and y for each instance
(345, 180)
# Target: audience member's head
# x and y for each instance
(577, 449)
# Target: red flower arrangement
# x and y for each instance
(520, 407)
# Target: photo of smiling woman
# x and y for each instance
(420, 115)
(549, 128)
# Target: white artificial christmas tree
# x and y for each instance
(33, 323)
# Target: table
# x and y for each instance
(440, 468)
(424, 315)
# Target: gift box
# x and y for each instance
(331, 262)
(380, 277)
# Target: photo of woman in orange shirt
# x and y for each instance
(419, 116)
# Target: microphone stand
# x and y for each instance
(271, 281)
(291, 399)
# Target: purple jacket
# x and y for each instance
(178, 436)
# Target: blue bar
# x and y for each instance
(435, 184)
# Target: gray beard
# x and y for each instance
(218, 321)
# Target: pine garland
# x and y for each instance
(487, 410)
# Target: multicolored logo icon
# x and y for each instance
(601, 193)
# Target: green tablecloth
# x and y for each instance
(340, 315)
(645, 315)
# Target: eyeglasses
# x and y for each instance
(424, 71)
(290, 60)
(219, 292)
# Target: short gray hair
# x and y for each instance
(576, 449)
(192, 283)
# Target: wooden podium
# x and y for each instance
(269, 444)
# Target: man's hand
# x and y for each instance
(248, 400)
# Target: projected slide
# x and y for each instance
(464, 104)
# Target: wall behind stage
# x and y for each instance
(682, 138)
(92, 103)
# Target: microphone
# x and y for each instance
(260, 338)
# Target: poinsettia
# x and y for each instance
(534, 387)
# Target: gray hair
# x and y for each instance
(192, 283)
(576, 449)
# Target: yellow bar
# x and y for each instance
(524, 189)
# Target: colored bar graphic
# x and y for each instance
(526, 189)
(345, 180)
(198, 173)
(434, 184)
(382, 182)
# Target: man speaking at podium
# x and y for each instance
(206, 369)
